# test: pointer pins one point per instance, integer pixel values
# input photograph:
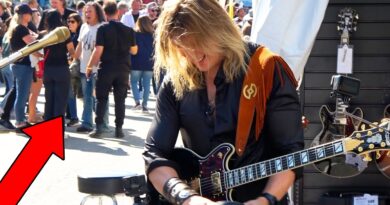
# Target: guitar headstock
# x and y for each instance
(373, 139)
(347, 23)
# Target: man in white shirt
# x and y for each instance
(130, 17)
(94, 17)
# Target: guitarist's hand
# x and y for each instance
(198, 200)
(258, 201)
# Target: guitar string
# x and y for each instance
(207, 184)
(365, 121)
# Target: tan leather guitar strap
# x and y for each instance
(256, 89)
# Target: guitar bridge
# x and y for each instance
(216, 182)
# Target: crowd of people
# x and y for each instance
(62, 68)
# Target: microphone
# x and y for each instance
(56, 36)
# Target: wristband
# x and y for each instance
(176, 191)
(270, 198)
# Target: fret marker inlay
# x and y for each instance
(304, 158)
(338, 147)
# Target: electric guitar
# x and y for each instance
(383, 157)
(335, 125)
(211, 177)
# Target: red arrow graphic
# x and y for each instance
(46, 138)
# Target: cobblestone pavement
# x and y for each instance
(57, 182)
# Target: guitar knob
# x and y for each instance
(383, 144)
(358, 135)
(371, 146)
(363, 127)
(367, 158)
(360, 149)
(369, 133)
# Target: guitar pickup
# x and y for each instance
(216, 182)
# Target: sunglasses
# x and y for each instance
(71, 21)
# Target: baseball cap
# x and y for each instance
(23, 9)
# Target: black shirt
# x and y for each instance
(67, 12)
(17, 43)
(116, 38)
(282, 132)
(57, 54)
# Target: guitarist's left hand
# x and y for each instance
(258, 201)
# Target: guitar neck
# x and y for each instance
(340, 118)
(237, 177)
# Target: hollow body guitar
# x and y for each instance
(211, 177)
(334, 128)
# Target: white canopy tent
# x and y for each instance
(289, 28)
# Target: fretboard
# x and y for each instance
(257, 171)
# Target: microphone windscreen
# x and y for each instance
(62, 33)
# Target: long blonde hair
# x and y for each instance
(196, 24)
(15, 21)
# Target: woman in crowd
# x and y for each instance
(56, 75)
(36, 85)
(142, 62)
(20, 35)
(74, 24)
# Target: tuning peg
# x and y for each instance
(367, 158)
(357, 16)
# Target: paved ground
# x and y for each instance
(57, 183)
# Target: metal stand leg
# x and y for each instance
(113, 200)
(85, 199)
(100, 197)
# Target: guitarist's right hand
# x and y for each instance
(198, 200)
